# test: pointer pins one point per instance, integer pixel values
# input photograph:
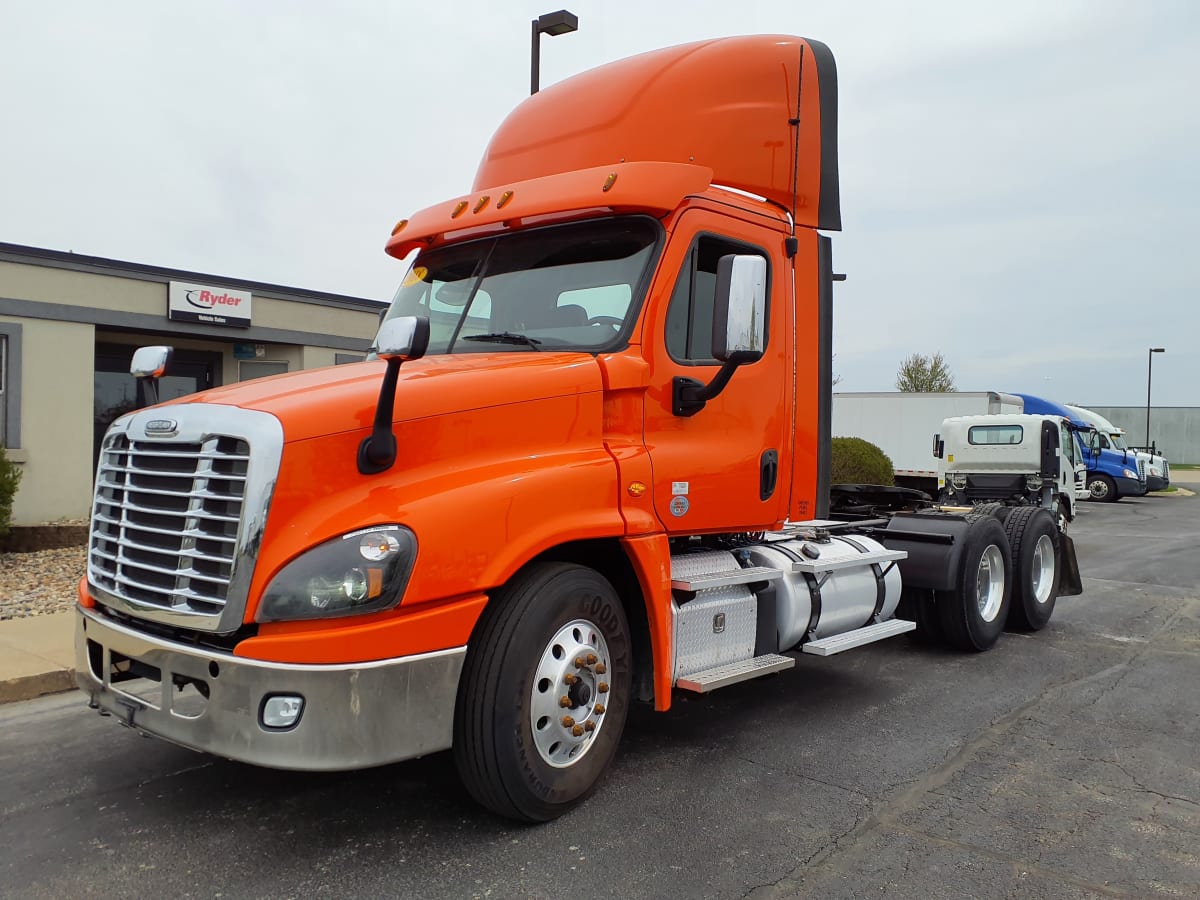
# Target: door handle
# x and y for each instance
(768, 474)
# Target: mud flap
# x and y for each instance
(1070, 584)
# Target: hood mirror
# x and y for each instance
(148, 365)
(399, 340)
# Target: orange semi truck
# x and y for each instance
(587, 465)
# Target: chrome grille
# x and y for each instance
(165, 521)
(1166, 469)
(179, 515)
(1141, 470)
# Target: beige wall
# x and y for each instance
(57, 362)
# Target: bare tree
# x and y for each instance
(925, 374)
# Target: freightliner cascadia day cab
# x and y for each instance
(1111, 474)
(588, 466)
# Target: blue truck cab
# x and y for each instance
(1111, 474)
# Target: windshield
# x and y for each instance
(572, 287)
(1118, 441)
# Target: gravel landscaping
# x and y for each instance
(39, 583)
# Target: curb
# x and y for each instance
(30, 687)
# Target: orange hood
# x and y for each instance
(318, 402)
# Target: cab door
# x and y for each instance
(725, 468)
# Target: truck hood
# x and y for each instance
(318, 402)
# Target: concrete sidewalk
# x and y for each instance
(37, 656)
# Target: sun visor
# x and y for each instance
(730, 105)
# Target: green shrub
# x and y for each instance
(10, 477)
(855, 461)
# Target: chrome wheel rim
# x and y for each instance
(1043, 569)
(1099, 489)
(569, 693)
(989, 583)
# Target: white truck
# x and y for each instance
(1011, 459)
(1158, 470)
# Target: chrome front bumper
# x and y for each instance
(354, 716)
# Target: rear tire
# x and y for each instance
(973, 615)
(1033, 539)
(1102, 488)
(514, 751)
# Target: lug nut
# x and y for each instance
(579, 663)
(599, 709)
(602, 687)
(601, 668)
(577, 731)
(570, 679)
(589, 725)
(591, 658)
(564, 701)
(567, 721)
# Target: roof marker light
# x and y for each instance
(482, 202)
(610, 181)
(399, 226)
(459, 209)
(504, 198)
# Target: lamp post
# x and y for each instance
(553, 24)
(1149, 372)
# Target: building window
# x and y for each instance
(10, 385)
(259, 368)
(342, 359)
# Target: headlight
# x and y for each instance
(1129, 474)
(361, 572)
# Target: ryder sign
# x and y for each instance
(208, 305)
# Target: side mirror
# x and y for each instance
(399, 340)
(740, 309)
(147, 366)
(739, 329)
(403, 338)
(939, 446)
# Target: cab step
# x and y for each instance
(732, 673)
(724, 579)
(850, 639)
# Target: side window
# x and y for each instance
(1068, 443)
(1104, 444)
(690, 313)
(10, 385)
(3, 388)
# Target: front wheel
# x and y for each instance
(544, 692)
(1102, 488)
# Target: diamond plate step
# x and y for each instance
(732, 673)
(859, 636)
(724, 579)
(819, 566)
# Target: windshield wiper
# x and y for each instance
(504, 337)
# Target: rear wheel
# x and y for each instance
(1033, 539)
(973, 615)
(544, 692)
(1102, 488)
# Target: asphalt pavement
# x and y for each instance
(1062, 764)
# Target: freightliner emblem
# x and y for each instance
(161, 426)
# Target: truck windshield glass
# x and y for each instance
(1118, 441)
(571, 287)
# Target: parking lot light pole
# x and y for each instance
(553, 24)
(1149, 372)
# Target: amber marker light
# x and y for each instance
(504, 198)
(482, 202)
(610, 181)
(636, 488)
(399, 226)
(459, 209)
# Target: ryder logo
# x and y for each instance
(202, 298)
(208, 305)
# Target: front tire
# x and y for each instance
(555, 632)
(973, 614)
(1102, 488)
(1033, 539)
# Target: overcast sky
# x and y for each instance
(1019, 180)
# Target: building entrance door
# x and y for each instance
(115, 390)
